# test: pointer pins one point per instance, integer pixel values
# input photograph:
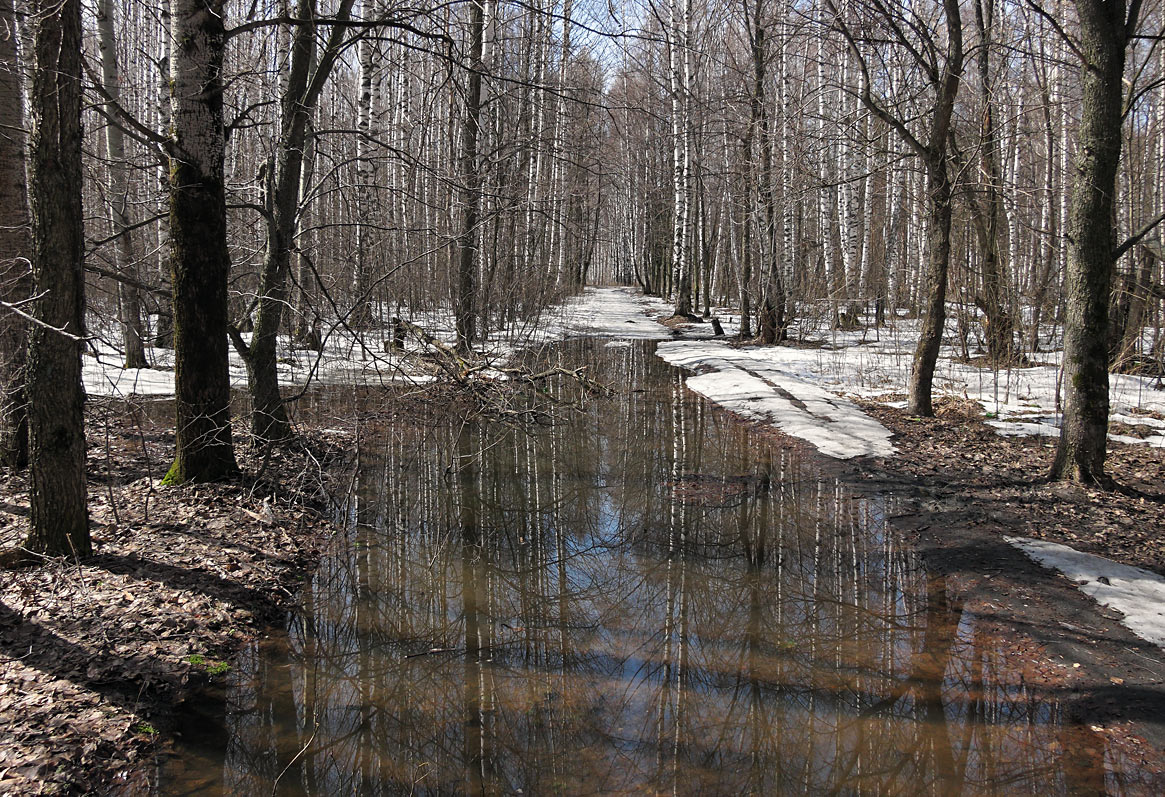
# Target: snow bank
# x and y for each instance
(875, 363)
(1137, 594)
(745, 382)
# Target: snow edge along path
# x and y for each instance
(753, 388)
(1137, 594)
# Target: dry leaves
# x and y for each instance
(93, 655)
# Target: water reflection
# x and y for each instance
(641, 599)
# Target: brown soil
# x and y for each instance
(95, 656)
(956, 461)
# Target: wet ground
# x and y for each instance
(639, 594)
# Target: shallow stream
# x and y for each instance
(640, 597)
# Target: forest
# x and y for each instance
(355, 356)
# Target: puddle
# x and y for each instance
(639, 598)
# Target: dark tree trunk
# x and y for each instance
(60, 520)
(15, 251)
(938, 248)
(771, 322)
(199, 261)
(269, 420)
(746, 260)
(1126, 318)
(465, 249)
(993, 302)
(129, 302)
(1104, 33)
(945, 70)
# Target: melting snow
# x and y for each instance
(745, 382)
(797, 383)
(1137, 594)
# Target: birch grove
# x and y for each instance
(798, 167)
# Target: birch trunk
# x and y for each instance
(129, 299)
(366, 191)
(679, 70)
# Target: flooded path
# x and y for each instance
(641, 597)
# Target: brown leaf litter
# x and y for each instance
(93, 655)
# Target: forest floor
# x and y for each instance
(95, 657)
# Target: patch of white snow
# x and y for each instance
(1137, 594)
(739, 381)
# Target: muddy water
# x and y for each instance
(639, 597)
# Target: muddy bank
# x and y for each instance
(962, 488)
(965, 488)
(94, 656)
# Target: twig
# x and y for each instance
(294, 758)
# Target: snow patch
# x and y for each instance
(747, 384)
(606, 313)
(1137, 594)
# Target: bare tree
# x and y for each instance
(301, 93)
(57, 500)
(937, 52)
(1106, 28)
(465, 249)
(129, 299)
(15, 249)
(199, 260)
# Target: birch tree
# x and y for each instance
(680, 83)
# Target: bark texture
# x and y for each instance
(199, 261)
(1104, 34)
(15, 250)
(269, 421)
(465, 296)
(60, 520)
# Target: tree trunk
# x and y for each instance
(1104, 34)
(367, 209)
(938, 252)
(945, 74)
(15, 250)
(302, 90)
(679, 58)
(199, 260)
(129, 300)
(465, 248)
(993, 302)
(57, 499)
